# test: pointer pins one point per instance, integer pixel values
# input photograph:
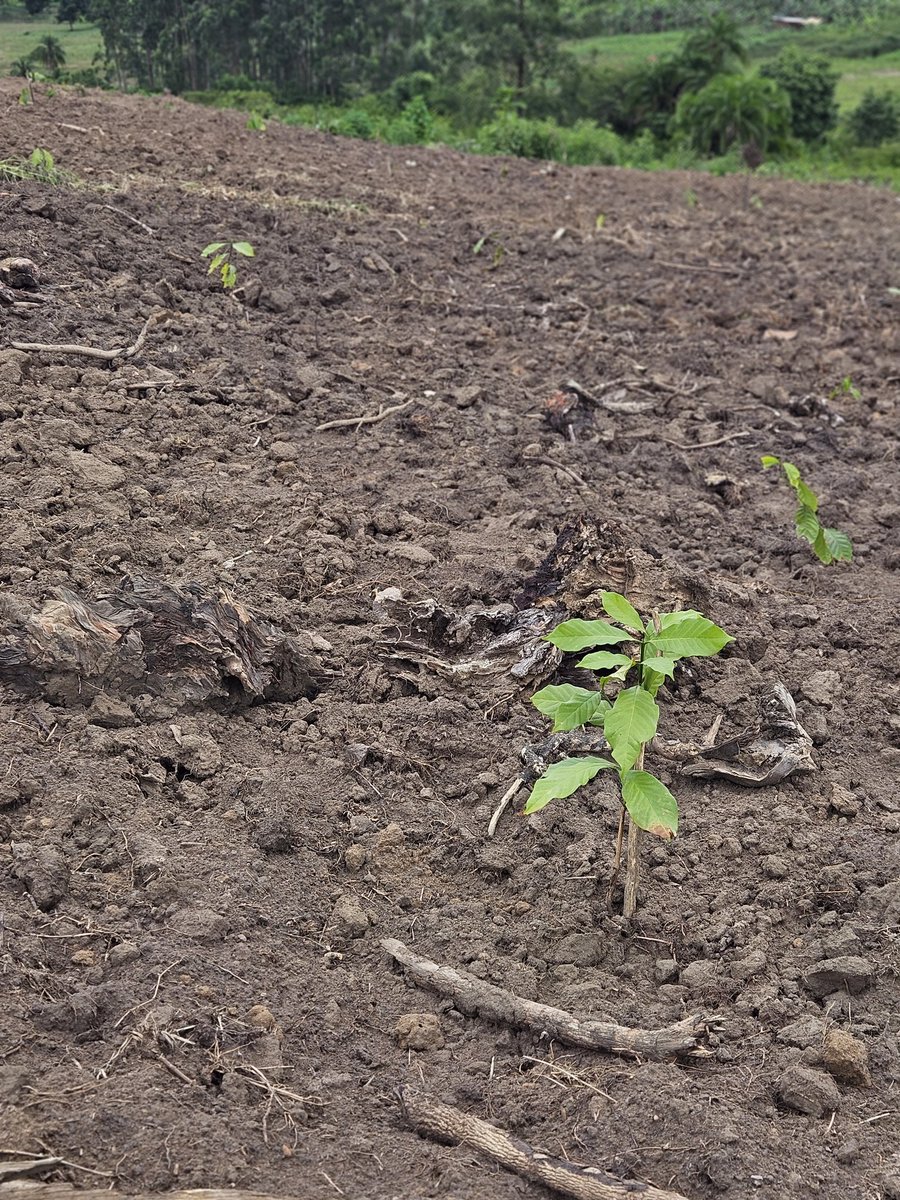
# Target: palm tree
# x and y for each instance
(49, 52)
(20, 67)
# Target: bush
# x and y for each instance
(521, 137)
(414, 126)
(588, 144)
(810, 82)
(354, 123)
(734, 109)
(876, 119)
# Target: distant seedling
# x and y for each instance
(845, 388)
(39, 166)
(222, 254)
(829, 545)
(649, 653)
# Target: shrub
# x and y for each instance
(355, 123)
(810, 82)
(519, 136)
(414, 126)
(876, 119)
(734, 109)
(588, 144)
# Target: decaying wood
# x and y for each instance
(366, 418)
(149, 636)
(585, 1183)
(92, 351)
(474, 996)
(65, 1191)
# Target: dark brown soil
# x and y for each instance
(180, 873)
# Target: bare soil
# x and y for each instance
(195, 888)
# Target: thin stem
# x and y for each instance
(633, 858)
(617, 861)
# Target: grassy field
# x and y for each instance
(881, 72)
(18, 39)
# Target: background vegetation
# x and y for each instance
(648, 83)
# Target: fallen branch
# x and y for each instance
(474, 996)
(586, 1183)
(128, 217)
(367, 419)
(92, 352)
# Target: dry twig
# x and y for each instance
(366, 419)
(91, 351)
(474, 996)
(730, 437)
(585, 1183)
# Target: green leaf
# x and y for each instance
(620, 610)
(660, 666)
(807, 496)
(769, 460)
(567, 706)
(211, 249)
(820, 548)
(672, 618)
(243, 248)
(630, 722)
(694, 636)
(650, 804)
(480, 244)
(563, 778)
(839, 544)
(605, 660)
(807, 524)
(229, 276)
(579, 635)
(215, 264)
(792, 473)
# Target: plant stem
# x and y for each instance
(617, 861)
(633, 858)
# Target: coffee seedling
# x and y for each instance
(829, 545)
(222, 253)
(647, 652)
(845, 388)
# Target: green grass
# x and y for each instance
(860, 74)
(19, 38)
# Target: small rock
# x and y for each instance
(750, 965)
(883, 902)
(201, 924)
(833, 974)
(700, 976)
(847, 1152)
(419, 1031)
(843, 802)
(409, 552)
(355, 857)
(665, 970)
(465, 397)
(846, 1058)
(775, 867)
(348, 917)
(84, 958)
(822, 687)
(199, 755)
(43, 870)
(808, 1091)
(284, 451)
(124, 952)
(95, 471)
(110, 713)
(261, 1017)
(808, 1031)
(582, 949)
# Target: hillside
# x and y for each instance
(215, 802)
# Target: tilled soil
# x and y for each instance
(196, 885)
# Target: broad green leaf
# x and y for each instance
(580, 635)
(660, 666)
(672, 618)
(630, 722)
(566, 705)
(243, 248)
(820, 548)
(807, 496)
(215, 264)
(839, 544)
(229, 275)
(563, 778)
(650, 804)
(211, 249)
(769, 460)
(692, 637)
(807, 524)
(600, 713)
(792, 473)
(620, 610)
(605, 660)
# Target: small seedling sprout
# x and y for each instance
(829, 545)
(221, 254)
(647, 652)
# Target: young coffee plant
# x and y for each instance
(636, 659)
(222, 260)
(829, 545)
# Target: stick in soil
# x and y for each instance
(437, 1120)
(366, 419)
(474, 996)
(91, 351)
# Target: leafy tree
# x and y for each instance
(21, 67)
(70, 11)
(716, 48)
(810, 81)
(35, 7)
(652, 95)
(50, 53)
(734, 109)
(518, 38)
(876, 119)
